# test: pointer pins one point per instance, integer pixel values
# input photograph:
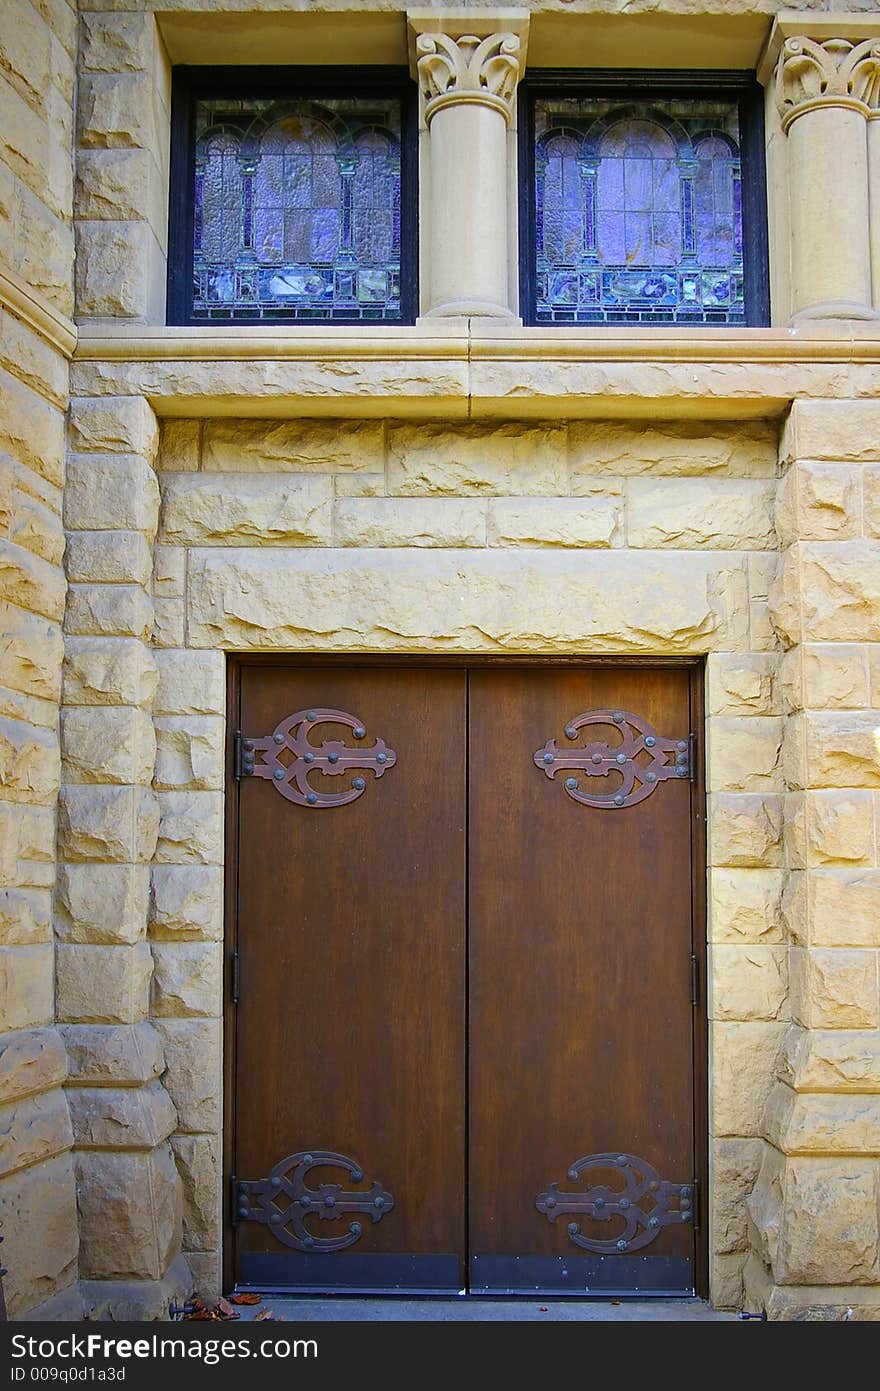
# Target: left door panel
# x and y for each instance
(349, 1124)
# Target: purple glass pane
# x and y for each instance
(667, 210)
(321, 220)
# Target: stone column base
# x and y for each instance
(133, 1301)
(808, 1303)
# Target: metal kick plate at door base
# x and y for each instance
(287, 758)
(284, 1203)
(632, 767)
(640, 1207)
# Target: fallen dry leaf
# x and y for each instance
(245, 1298)
(264, 1314)
(225, 1310)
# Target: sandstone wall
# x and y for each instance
(38, 1218)
(387, 536)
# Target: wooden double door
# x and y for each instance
(464, 1024)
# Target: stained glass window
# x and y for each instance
(638, 211)
(297, 209)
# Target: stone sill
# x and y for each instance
(477, 370)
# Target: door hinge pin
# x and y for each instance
(692, 757)
(696, 1207)
(236, 755)
(235, 977)
(233, 1200)
(695, 981)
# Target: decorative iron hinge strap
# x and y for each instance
(636, 1200)
(629, 765)
(283, 1202)
(287, 758)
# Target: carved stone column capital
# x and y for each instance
(810, 74)
(469, 69)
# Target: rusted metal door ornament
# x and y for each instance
(287, 758)
(635, 764)
(639, 1207)
(284, 1202)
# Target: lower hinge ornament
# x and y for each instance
(641, 1207)
(283, 1201)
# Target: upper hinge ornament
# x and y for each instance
(469, 69)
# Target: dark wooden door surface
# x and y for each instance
(580, 1029)
(351, 1021)
(463, 983)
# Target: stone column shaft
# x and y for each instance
(874, 201)
(468, 83)
(825, 93)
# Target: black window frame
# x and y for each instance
(190, 84)
(633, 84)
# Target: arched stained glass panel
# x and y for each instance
(297, 210)
(638, 210)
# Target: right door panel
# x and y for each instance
(580, 1018)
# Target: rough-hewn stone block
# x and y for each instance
(749, 982)
(109, 610)
(744, 753)
(199, 1164)
(817, 502)
(25, 916)
(26, 985)
(31, 430)
(116, 42)
(839, 827)
(31, 582)
(103, 985)
(111, 492)
(581, 523)
(190, 683)
(235, 508)
(700, 513)
(187, 980)
(825, 676)
(186, 901)
(190, 828)
(107, 823)
(108, 671)
(829, 1228)
(293, 446)
(101, 903)
(45, 1192)
(130, 1213)
(121, 1118)
(842, 749)
(834, 1060)
(745, 830)
(489, 600)
(834, 988)
(735, 1165)
(34, 1129)
(836, 430)
(108, 1055)
(190, 752)
(410, 522)
(461, 460)
(116, 110)
(113, 425)
(828, 592)
(672, 447)
(193, 1053)
(31, 1061)
(30, 762)
(116, 265)
(741, 683)
(109, 557)
(822, 1123)
(845, 908)
(31, 651)
(180, 445)
(107, 744)
(745, 905)
(743, 1069)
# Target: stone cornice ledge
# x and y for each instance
(480, 374)
(28, 305)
